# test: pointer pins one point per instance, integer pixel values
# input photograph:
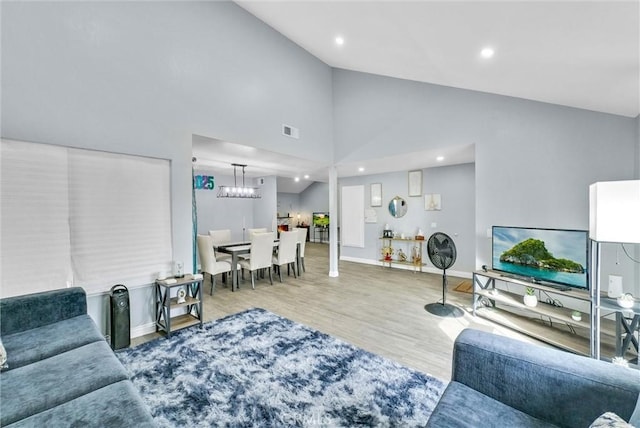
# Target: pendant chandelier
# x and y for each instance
(236, 191)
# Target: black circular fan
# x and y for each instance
(442, 253)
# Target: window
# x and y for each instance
(81, 217)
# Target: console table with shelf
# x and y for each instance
(626, 324)
(582, 337)
(417, 264)
(507, 308)
(165, 303)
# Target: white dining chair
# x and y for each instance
(302, 239)
(220, 237)
(286, 252)
(251, 232)
(208, 262)
(259, 256)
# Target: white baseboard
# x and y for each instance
(141, 330)
(425, 269)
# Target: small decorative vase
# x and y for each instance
(531, 301)
(576, 315)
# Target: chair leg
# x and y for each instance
(303, 268)
(293, 267)
(213, 283)
(270, 278)
(280, 272)
(253, 284)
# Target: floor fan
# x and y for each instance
(442, 253)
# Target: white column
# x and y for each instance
(333, 223)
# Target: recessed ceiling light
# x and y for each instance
(361, 169)
(296, 179)
(339, 40)
(440, 158)
(487, 52)
(306, 176)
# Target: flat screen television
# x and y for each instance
(320, 220)
(559, 257)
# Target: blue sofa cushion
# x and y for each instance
(21, 313)
(461, 406)
(115, 405)
(49, 340)
(56, 380)
(559, 387)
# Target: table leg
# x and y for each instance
(234, 272)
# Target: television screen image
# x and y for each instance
(320, 220)
(557, 256)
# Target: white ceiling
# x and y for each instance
(217, 156)
(583, 54)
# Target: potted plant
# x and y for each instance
(530, 298)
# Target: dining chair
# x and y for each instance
(258, 230)
(259, 255)
(302, 239)
(286, 252)
(208, 262)
(220, 237)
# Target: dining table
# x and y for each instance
(236, 249)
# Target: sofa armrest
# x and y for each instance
(21, 313)
(552, 385)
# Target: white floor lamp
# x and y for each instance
(614, 216)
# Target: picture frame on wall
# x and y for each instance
(376, 194)
(432, 202)
(415, 183)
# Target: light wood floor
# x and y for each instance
(378, 309)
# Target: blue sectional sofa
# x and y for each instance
(60, 370)
(502, 382)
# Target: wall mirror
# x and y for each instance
(397, 207)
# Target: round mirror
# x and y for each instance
(397, 207)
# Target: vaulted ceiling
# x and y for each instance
(583, 54)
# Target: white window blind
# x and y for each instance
(34, 228)
(116, 220)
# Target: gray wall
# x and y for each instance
(231, 213)
(289, 204)
(314, 198)
(534, 161)
(455, 184)
(142, 77)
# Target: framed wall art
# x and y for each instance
(415, 183)
(432, 202)
(376, 194)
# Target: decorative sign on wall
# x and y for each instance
(205, 182)
(433, 202)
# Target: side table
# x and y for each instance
(165, 303)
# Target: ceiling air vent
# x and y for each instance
(290, 131)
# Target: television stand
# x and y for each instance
(506, 307)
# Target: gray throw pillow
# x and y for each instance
(3, 356)
(610, 420)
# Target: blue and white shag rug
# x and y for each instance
(255, 368)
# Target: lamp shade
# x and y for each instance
(614, 211)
